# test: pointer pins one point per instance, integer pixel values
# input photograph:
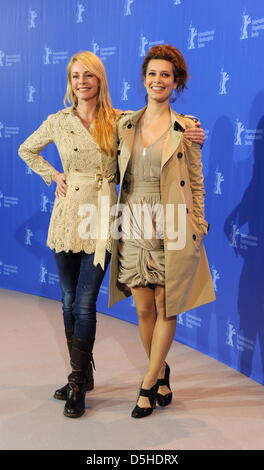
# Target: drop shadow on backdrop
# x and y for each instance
(212, 335)
(250, 301)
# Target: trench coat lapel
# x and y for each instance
(174, 138)
(127, 134)
(171, 144)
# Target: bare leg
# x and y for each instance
(162, 338)
(144, 298)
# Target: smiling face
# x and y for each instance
(159, 80)
(84, 84)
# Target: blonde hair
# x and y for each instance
(105, 117)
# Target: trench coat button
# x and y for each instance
(76, 188)
(179, 155)
(129, 125)
(178, 127)
(194, 236)
(187, 210)
(75, 150)
(118, 152)
(72, 132)
(182, 183)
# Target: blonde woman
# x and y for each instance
(158, 260)
(85, 135)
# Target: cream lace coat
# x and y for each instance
(79, 155)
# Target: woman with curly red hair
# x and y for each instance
(161, 262)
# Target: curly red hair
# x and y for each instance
(172, 55)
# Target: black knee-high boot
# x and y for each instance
(61, 393)
(81, 356)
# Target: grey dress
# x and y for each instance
(141, 248)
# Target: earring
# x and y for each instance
(173, 96)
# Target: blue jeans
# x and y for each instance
(80, 283)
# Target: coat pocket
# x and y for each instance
(199, 227)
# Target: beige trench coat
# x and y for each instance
(188, 282)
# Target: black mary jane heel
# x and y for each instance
(151, 393)
(165, 400)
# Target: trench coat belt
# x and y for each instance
(103, 188)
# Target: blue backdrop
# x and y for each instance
(223, 44)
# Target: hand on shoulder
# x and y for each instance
(194, 132)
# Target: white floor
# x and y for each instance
(214, 407)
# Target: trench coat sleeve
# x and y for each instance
(195, 167)
(30, 150)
